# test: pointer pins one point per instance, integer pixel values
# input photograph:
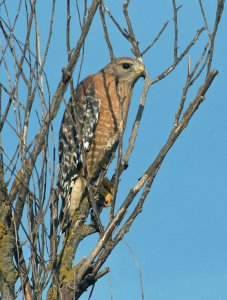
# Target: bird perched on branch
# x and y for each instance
(93, 117)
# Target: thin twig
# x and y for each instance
(175, 9)
(180, 57)
(19, 67)
(138, 267)
(131, 35)
(156, 38)
(220, 7)
(204, 17)
(115, 21)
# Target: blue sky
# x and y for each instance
(180, 238)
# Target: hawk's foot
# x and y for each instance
(106, 192)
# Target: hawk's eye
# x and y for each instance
(126, 66)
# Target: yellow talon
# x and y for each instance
(108, 199)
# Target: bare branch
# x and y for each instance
(175, 9)
(173, 66)
(19, 67)
(156, 38)
(220, 7)
(204, 17)
(130, 33)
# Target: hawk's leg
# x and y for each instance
(104, 198)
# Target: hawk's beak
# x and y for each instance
(141, 71)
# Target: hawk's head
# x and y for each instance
(126, 69)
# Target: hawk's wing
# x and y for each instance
(76, 133)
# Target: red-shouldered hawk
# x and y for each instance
(95, 107)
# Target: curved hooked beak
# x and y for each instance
(141, 71)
